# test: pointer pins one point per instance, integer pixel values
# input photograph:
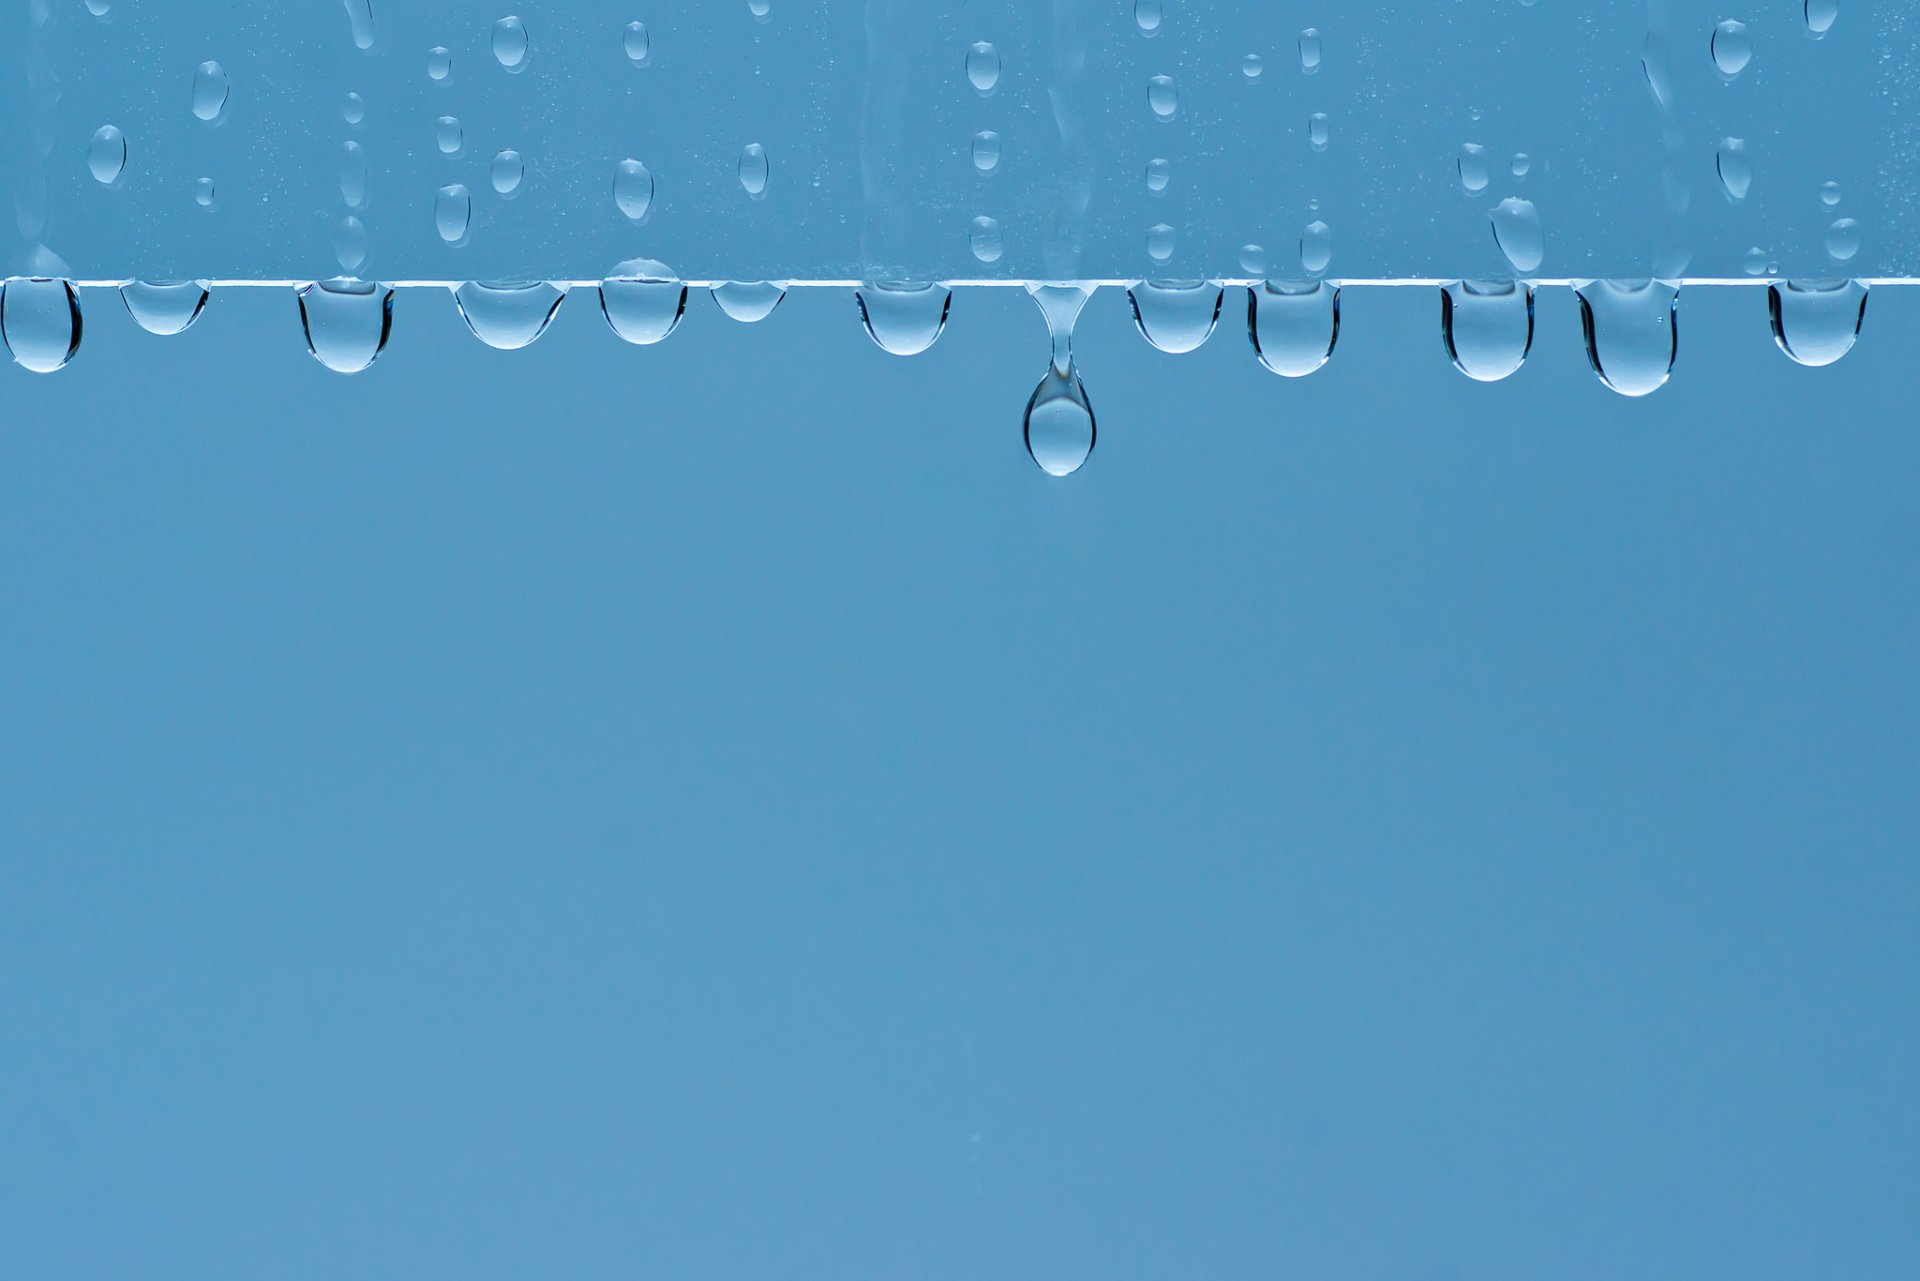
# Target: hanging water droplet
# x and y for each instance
(1517, 230)
(643, 301)
(632, 189)
(1731, 47)
(637, 43)
(453, 213)
(1829, 194)
(99, 8)
(1317, 131)
(1252, 66)
(760, 9)
(1310, 50)
(986, 151)
(355, 110)
(353, 175)
(1522, 164)
(1472, 165)
(203, 192)
(508, 316)
(40, 322)
(1147, 15)
(1487, 326)
(748, 301)
(211, 87)
(983, 67)
(510, 43)
(983, 235)
(449, 136)
(360, 19)
(1843, 239)
(1163, 96)
(754, 170)
(1754, 262)
(1632, 329)
(346, 323)
(1159, 174)
(1176, 316)
(1816, 321)
(1294, 325)
(439, 64)
(507, 172)
(164, 308)
(107, 155)
(1735, 168)
(1253, 261)
(1820, 15)
(1316, 247)
(1160, 242)
(904, 319)
(1059, 424)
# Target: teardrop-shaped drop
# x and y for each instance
(507, 316)
(1059, 424)
(1176, 316)
(346, 322)
(1487, 326)
(632, 189)
(1294, 325)
(1816, 321)
(754, 170)
(164, 308)
(643, 302)
(904, 319)
(40, 322)
(749, 301)
(1632, 328)
(1517, 230)
(211, 88)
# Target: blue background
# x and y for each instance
(718, 811)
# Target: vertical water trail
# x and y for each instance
(30, 255)
(882, 120)
(1670, 255)
(1066, 226)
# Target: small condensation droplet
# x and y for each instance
(1159, 174)
(1843, 239)
(453, 213)
(1735, 168)
(1310, 50)
(632, 189)
(754, 170)
(439, 64)
(1518, 232)
(107, 155)
(986, 151)
(983, 67)
(1148, 15)
(211, 89)
(984, 238)
(1317, 131)
(637, 43)
(511, 43)
(1731, 47)
(1160, 242)
(507, 172)
(1316, 247)
(1163, 97)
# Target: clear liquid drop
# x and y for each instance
(1059, 424)
(346, 323)
(1517, 230)
(350, 244)
(1317, 131)
(1487, 326)
(1294, 325)
(1310, 50)
(449, 136)
(1820, 16)
(632, 189)
(1163, 97)
(40, 322)
(164, 308)
(507, 172)
(508, 316)
(1843, 239)
(761, 10)
(984, 238)
(1252, 66)
(1316, 248)
(1731, 47)
(1632, 329)
(453, 213)
(1829, 194)
(983, 67)
(904, 319)
(1735, 168)
(439, 64)
(355, 110)
(1176, 316)
(510, 43)
(211, 88)
(643, 302)
(1148, 15)
(360, 20)
(986, 152)
(1161, 241)
(107, 155)
(1159, 174)
(637, 43)
(1816, 321)
(353, 175)
(1472, 167)
(754, 170)
(203, 192)
(1253, 260)
(749, 301)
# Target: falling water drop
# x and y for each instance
(1294, 325)
(211, 88)
(453, 213)
(984, 238)
(637, 43)
(353, 175)
(754, 170)
(510, 43)
(1310, 50)
(749, 301)
(1316, 247)
(1632, 329)
(643, 301)
(983, 67)
(1731, 47)
(1517, 230)
(449, 136)
(1176, 316)
(986, 152)
(164, 308)
(1163, 96)
(1820, 15)
(1161, 240)
(632, 189)
(1735, 168)
(1472, 166)
(40, 322)
(1487, 326)
(1843, 239)
(1816, 321)
(346, 322)
(1159, 174)
(360, 19)
(508, 316)
(439, 64)
(507, 172)
(1148, 15)
(1059, 422)
(107, 155)
(904, 319)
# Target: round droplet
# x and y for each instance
(1829, 194)
(1252, 66)
(510, 43)
(99, 8)
(353, 175)
(1294, 325)
(1472, 166)
(1148, 15)
(107, 155)
(449, 136)
(40, 322)
(986, 151)
(1816, 321)
(1731, 47)
(439, 64)
(1316, 247)
(1163, 96)
(1160, 242)
(1487, 326)
(985, 240)
(1317, 131)
(1821, 15)
(1632, 331)
(632, 189)
(453, 213)
(1310, 50)
(507, 317)
(1517, 230)
(203, 192)
(1059, 425)
(1843, 239)
(350, 244)
(1522, 164)
(637, 43)
(1159, 174)
(1253, 261)
(164, 308)
(1176, 316)
(760, 9)
(356, 109)
(1735, 168)
(748, 301)
(211, 88)
(983, 67)
(1754, 262)
(754, 170)
(904, 319)
(346, 323)
(507, 172)
(643, 301)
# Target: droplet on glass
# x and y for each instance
(1820, 16)
(1163, 97)
(1317, 131)
(1161, 240)
(1294, 325)
(1829, 194)
(1632, 331)
(355, 110)
(40, 322)
(107, 155)
(643, 301)
(508, 316)
(1316, 247)
(1253, 261)
(1148, 15)
(1159, 174)
(449, 136)
(904, 319)
(165, 308)
(1843, 239)
(637, 43)
(1517, 230)
(1487, 326)
(453, 213)
(1472, 166)
(1735, 168)
(632, 189)
(360, 20)
(507, 172)
(353, 175)
(1816, 321)
(986, 151)
(350, 244)
(1252, 66)
(211, 88)
(1310, 50)
(203, 192)
(754, 170)
(346, 323)
(983, 67)
(1731, 47)
(983, 236)
(439, 64)
(1176, 316)
(749, 301)
(510, 43)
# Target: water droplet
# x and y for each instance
(983, 67)
(164, 308)
(353, 175)
(1253, 261)
(510, 43)
(1163, 96)
(1816, 321)
(986, 151)
(1843, 239)
(508, 316)
(904, 319)
(211, 88)
(1754, 263)
(984, 237)
(754, 170)
(1294, 325)
(1735, 168)
(453, 213)
(1632, 329)
(203, 192)
(1252, 66)
(1159, 174)
(40, 322)
(1472, 165)
(439, 64)
(1317, 131)
(1522, 164)
(638, 44)
(1829, 194)
(360, 19)
(1731, 47)
(1316, 247)
(346, 322)
(643, 301)
(760, 9)
(356, 109)
(633, 189)
(449, 136)
(1487, 326)
(1147, 15)
(99, 8)
(1059, 423)
(350, 244)
(1176, 316)
(1517, 230)
(1821, 15)
(748, 301)
(1160, 242)
(107, 155)
(1310, 50)
(507, 172)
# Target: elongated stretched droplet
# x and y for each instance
(1059, 424)
(164, 308)
(1816, 322)
(643, 301)
(1176, 316)
(346, 322)
(1294, 325)
(360, 17)
(904, 319)
(40, 322)
(507, 316)
(1632, 329)
(1487, 326)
